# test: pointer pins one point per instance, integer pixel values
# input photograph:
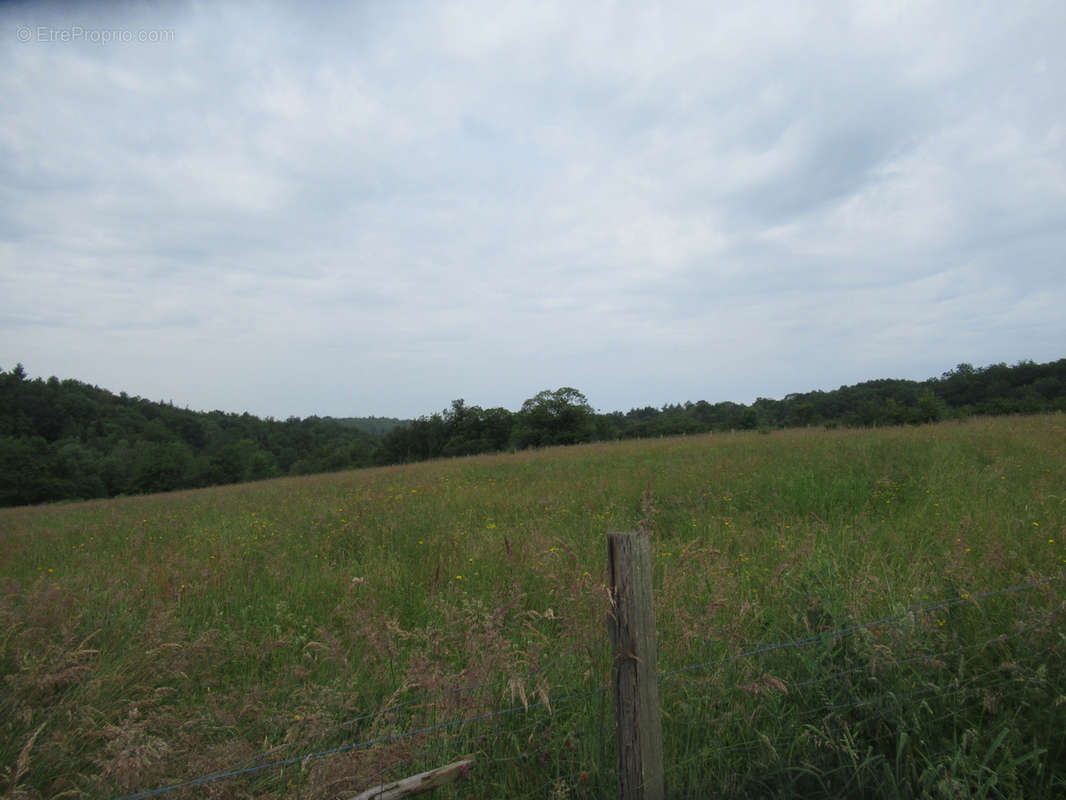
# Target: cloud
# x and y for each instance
(378, 208)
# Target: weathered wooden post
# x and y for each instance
(417, 784)
(631, 626)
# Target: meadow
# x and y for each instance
(395, 619)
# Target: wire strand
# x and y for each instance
(552, 702)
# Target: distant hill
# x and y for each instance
(63, 439)
(563, 417)
(68, 439)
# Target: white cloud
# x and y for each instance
(373, 209)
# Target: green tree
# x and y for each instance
(26, 471)
(930, 407)
(560, 417)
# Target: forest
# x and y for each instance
(66, 440)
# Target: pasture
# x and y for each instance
(402, 617)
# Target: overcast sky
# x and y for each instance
(375, 208)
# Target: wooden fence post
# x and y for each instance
(417, 784)
(631, 626)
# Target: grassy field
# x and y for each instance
(149, 641)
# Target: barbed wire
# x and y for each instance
(777, 745)
(896, 663)
(551, 703)
(939, 690)
(862, 626)
(421, 698)
(360, 745)
(875, 696)
(970, 691)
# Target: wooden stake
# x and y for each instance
(416, 784)
(631, 626)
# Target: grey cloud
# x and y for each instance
(471, 200)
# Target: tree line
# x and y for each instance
(64, 439)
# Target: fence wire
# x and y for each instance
(545, 709)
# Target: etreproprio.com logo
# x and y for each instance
(78, 33)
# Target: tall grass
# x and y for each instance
(147, 641)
